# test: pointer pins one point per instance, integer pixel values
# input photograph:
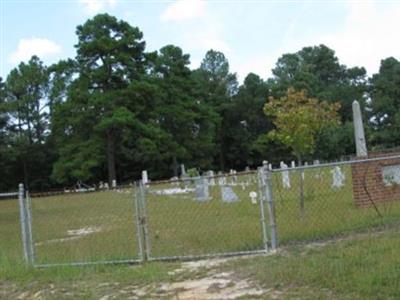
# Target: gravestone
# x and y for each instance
(183, 170)
(361, 145)
(114, 184)
(228, 195)
(211, 177)
(338, 178)
(145, 177)
(293, 164)
(221, 179)
(285, 176)
(201, 190)
(106, 186)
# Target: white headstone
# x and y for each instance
(101, 185)
(338, 178)
(211, 178)
(285, 176)
(106, 186)
(361, 145)
(201, 190)
(145, 177)
(114, 184)
(221, 179)
(228, 195)
(183, 170)
(270, 167)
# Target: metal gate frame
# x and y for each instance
(265, 197)
(25, 209)
(144, 253)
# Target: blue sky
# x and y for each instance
(252, 34)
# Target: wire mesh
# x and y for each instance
(84, 227)
(203, 216)
(321, 202)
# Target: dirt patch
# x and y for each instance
(194, 266)
(218, 286)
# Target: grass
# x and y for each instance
(16, 278)
(328, 211)
(179, 225)
(363, 267)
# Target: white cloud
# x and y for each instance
(34, 46)
(258, 64)
(369, 34)
(207, 38)
(184, 10)
(92, 7)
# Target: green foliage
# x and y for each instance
(385, 104)
(299, 119)
(317, 70)
(115, 110)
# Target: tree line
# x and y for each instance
(117, 109)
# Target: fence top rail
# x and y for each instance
(73, 192)
(12, 194)
(178, 180)
(338, 163)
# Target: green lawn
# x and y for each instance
(328, 211)
(361, 267)
(101, 226)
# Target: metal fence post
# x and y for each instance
(144, 221)
(261, 184)
(138, 220)
(29, 228)
(22, 216)
(271, 208)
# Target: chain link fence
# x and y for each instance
(84, 227)
(227, 214)
(319, 202)
(204, 216)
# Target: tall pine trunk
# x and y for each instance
(111, 157)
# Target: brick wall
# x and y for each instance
(368, 184)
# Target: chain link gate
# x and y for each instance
(207, 216)
(99, 227)
(183, 219)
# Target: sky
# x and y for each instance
(252, 34)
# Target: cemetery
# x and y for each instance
(164, 150)
(232, 213)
